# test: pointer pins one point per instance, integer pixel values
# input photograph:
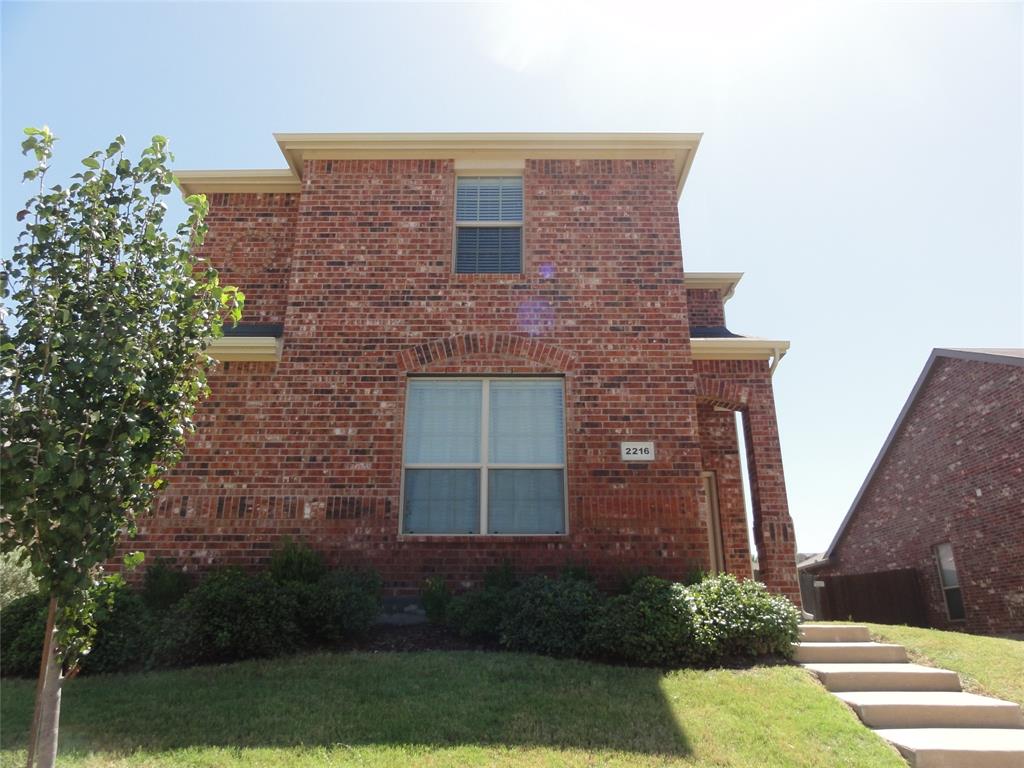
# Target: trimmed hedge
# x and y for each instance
(549, 616)
(652, 624)
(339, 606)
(126, 632)
(736, 619)
(478, 614)
(715, 621)
(163, 585)
(22, 625)
(228, 616)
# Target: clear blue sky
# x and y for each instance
(861, 163)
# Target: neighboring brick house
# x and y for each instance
(946, 494)
(448, 341)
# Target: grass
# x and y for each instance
(991, 665)
(447, 709)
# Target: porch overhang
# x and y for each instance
(738, 348)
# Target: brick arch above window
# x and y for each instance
(431, 354)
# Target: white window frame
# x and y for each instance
(484, 466)
(487, 173)
(942, 581)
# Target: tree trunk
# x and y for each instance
(33, 735)
(44, 740)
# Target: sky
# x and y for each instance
(861, 163)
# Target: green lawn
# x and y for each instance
(447, 709)
(990, 665)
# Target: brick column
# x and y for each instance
(773, 527)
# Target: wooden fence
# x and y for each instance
(885, 597)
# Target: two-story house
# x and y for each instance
(460, 350)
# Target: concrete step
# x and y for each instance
(958, 747)
(932, 709)
(884, 677)
(834, 633)
(848, 653)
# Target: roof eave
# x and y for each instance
(254, 181)
(741, 348)
(680, 148)
(723, 282)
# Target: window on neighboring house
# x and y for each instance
(489, 224)
(949, 582)
(484, 456)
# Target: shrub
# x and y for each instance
(229, 616)
(342, 604)
(296, 562)
(436, 597)
(741, 619)
(23, 623)
(477, 614)
(627, 579)
(549, 616)
(125, 634)
(694, 575)
(163, 585)
(16, 579)
(503, 578)
(652, 624)
(576, 571)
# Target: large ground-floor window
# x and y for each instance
(484, 456)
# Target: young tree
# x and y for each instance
(102, 360)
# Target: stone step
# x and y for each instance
(932, 709)
(847, 653)
(884, 677)
(958, 747)
(834, 633)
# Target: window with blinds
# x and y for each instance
(484, 456)
(489, 224)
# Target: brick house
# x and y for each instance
(946, 495)
(465, 349)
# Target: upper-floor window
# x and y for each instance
(484, 456)
(489, 224)
(950, 582)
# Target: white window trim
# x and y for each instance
(942, 582)
(521, 224)
(483, 466)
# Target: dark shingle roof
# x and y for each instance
(712, 332)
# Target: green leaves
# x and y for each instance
(133, 560)
(101, 363)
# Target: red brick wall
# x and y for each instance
(250, 242)
(746, 386)
(720, 454)
(705, 307)
(358, 266)
(954, 473)
(311, 446)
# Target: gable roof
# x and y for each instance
(469, 147)
(1005, 356)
